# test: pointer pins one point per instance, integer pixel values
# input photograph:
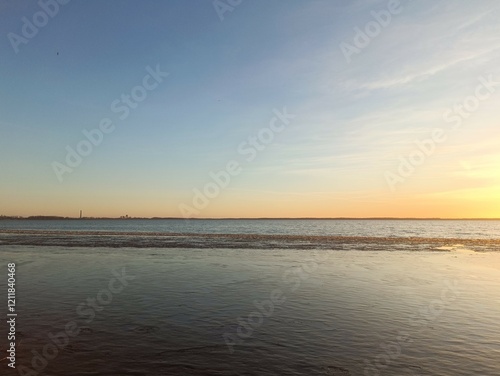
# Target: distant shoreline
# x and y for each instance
(51, 218)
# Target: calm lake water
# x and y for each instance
(254, 297)
(367, 235)
(479, 229)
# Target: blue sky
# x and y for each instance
(353, 120)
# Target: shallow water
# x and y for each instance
(186, 312)
(471, 229)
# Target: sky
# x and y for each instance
(258, 108)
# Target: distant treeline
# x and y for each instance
(54, 217)
(34, 217)
(49, 217)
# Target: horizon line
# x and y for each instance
(54, 217)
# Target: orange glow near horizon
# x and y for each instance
(238, 205)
